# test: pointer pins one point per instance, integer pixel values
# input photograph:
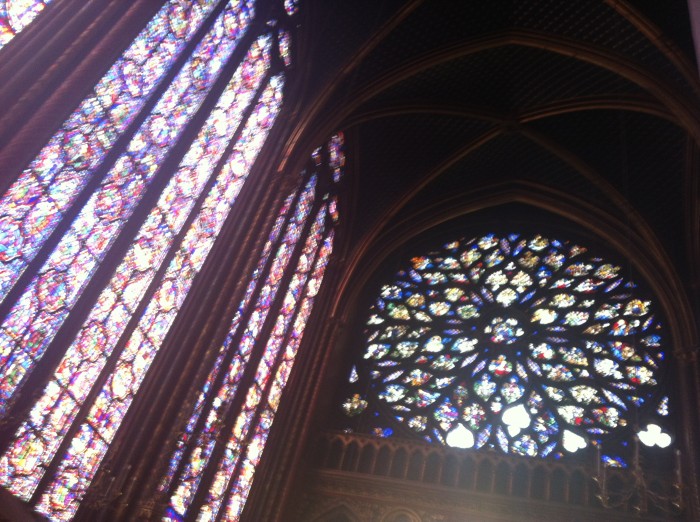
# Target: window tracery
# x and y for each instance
(47, 188)
(261, 346)
(159, 150)
(529, 345)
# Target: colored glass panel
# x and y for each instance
(15, 15)
(206, 439)
(272, 358)
(533, 352)
(95, 341)
(38, 200)
(89, 446)
(336, 155)
(243, 483)
(291, 6)
(36, 317)
(284, 45)
(208, 431)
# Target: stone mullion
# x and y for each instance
(236, 407)
(262, 405)
(235, 342)
(103, 272)
(45, 54)
(203, 328)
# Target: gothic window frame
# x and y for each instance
(122, 367)
(361, 400)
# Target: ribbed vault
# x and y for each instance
(578, 115)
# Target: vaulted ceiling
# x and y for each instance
(587, 109)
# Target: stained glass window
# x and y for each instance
(261, 345)
(47, 188)
(15, 15)
(151, 208)
(526, 344)
(57, 285)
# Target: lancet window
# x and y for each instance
(102, 237)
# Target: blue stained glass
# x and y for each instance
(548, 449)
(134, 277)
(291, 6)
(233, 454)
(182, 496)
(235, 366)
(77, 469)
(525, 445)
(614, 462)
(502, 439)
(513, 343)
(48, 190)
(483, 436)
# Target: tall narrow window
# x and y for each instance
(46, 190)
(245, 384)
(141, 179)
(527, 345)
(58, 283)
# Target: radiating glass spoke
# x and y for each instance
(529, 353)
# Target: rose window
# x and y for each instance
(524, 344)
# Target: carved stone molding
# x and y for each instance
(372, 499)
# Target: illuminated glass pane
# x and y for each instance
(243, 480)
(337, 156)
(235, 469)
(291, 6)
(58, 284)
(182, 499)
(537, 338)
(207, 432)
(88, 355)
(110, 407)
(189, 212)
(38, 200)
(15, 15)
(354, 405)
